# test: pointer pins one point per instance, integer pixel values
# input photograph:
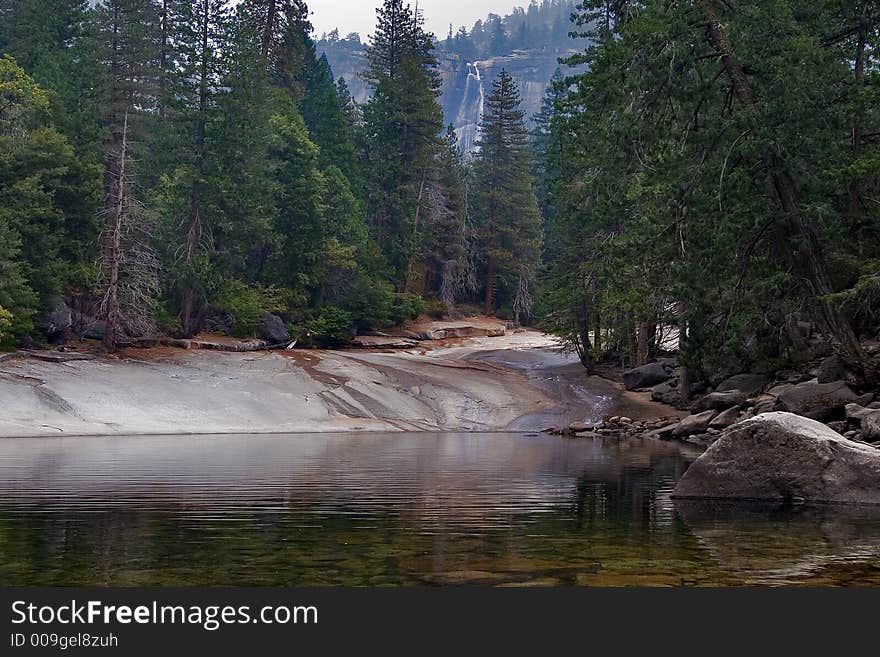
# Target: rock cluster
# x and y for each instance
(618, 426)
(743, 396)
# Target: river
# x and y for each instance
(398, 509)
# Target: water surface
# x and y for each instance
(397, 509)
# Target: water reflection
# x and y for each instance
(775, 545)
(393, 509)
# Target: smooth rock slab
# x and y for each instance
(784, 457)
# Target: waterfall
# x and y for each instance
(476, 75)
(471, 109)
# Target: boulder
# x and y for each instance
(663, 432)
(764, 403)
(694, 424)
(865, 400)
(871, 427)
(777, 390)
(834, 368)
(94, 330)
(582, 427)
(783, 457)
(719, 401)
(57, 318)
(856, 413)
(750, 384)
(667, 393)
(646, 376)
(446, 330)
(273, 330)
(725, 418)
(817, 401)
(384, 342)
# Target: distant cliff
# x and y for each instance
(527, 43)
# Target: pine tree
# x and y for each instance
(511, 222)
(322, 111)
(48, 200)
(401, 124)
(351, 111)
(446, 242)
(50, 40)
(201, 33)
(279, 26)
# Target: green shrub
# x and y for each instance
(369, 302)
(436, 308)
(406, 306)
(247, 304)
(332, 327)
(5, 323)
(167, 321)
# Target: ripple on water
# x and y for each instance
(397, 509)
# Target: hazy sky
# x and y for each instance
(360, 15)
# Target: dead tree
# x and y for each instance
(129, 266)
(112, 240)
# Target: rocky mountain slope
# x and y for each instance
(526, 43)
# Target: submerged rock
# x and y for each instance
(784, 457)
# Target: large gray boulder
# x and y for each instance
(834, 368)
(667, 393)
(750, 384)
(720, 401)
(95, 330)
(784, 457)
(646, 376)
(694, 424)
(57, 318)
(817, 401)
(273, 330)
(726, 418)
(870, 425)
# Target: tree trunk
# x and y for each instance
(112, 241)
(685, 385)
(163, 59)
(269, 28)
(643, 351)
(194, 224)
(802, 251)
(490, 286)
(854, 189)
